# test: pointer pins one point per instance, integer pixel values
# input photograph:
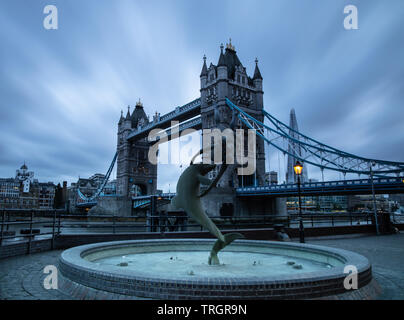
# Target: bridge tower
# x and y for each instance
(229, 79)
(135, 174)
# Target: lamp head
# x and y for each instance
(298, 168)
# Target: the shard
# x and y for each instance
(294, 150)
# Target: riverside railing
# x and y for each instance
(29, 225)
(13, 220)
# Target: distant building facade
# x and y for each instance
(271, 178)
(366, 203)
(88, 187)
(25, 192)
(345, 203)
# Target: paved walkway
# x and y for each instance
(22, 277)
(385, 253)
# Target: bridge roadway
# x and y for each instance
(360, 186)
(344, 187)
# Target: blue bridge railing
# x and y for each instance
(359, 186)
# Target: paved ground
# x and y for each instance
(386, 254)
(22, 277)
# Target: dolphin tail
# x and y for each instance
(219, 245)
(230, 237)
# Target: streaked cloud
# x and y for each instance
(63, 90)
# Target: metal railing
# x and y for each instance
(15, 219)
(44, 224)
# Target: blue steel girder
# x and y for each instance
(101, 187)
(144, 201)
(180, 114)
(181, 129)
(360, 186)
(314, 152)
(88, 204)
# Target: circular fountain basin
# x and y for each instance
(178, 269)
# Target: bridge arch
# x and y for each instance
(138, 189)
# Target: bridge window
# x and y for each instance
(238, 78)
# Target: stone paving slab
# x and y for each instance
(385, 253)
(22, 277)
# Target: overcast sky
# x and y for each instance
(62, 90)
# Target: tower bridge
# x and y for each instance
(180, 114)
(230, 97)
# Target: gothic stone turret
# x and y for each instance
(229, 79)
(135, 174)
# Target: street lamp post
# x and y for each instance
(374, 199)
(298, 171)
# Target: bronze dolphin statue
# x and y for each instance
(189, 198)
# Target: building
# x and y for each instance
(88, 187)
(366, 203)
(25, 192)
(398, 202)
(271, 178)
(332, 203)
(318, 203)
(9, 193)
(308, 204)
(294, 150)
(46, 195)
(110, 188)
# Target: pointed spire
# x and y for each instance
(204, 68)
(24, 166)
(128, 114)
(121, 118)
(257, 73)
(229, 46)
(139, 104)
(222, 61)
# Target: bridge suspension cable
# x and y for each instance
(315, 153)
(101, 186)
